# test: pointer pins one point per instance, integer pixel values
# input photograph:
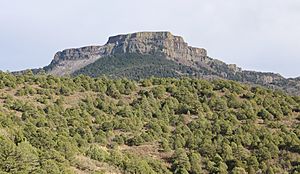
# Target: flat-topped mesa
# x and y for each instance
(163, 43)
(153, 43)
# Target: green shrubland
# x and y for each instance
(158, 125)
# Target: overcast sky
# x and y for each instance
(261, 35)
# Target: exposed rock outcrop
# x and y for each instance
(67, 61)
(155, 43)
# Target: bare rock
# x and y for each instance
(155, 43)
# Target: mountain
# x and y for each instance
(145, 43)
(161, 54)
(71, 123)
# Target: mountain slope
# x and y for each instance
(89, 125)
(137, 66)
(160, 45)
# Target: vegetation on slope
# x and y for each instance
(138, 66)
(157, 125)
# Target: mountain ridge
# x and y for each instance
(174, 48)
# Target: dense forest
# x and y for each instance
(157, 125)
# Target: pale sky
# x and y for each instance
(262, 35)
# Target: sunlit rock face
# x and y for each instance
(155, 43)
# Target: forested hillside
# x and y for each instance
(157, 125)
(138, 66)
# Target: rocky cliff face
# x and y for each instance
(163, 43)
(67, 61)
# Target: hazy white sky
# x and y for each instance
(255, 34)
